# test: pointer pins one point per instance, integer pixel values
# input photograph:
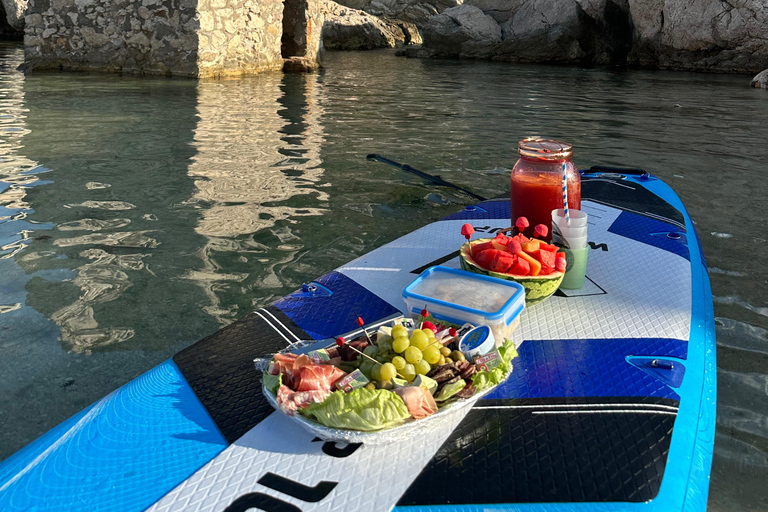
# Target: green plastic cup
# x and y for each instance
(575, 269)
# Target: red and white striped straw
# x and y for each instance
(565, 195)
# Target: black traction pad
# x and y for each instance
(220, 369)
(628, 196)
(524, 451)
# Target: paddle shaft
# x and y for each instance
(429, 177)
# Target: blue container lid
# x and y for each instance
(507, 298)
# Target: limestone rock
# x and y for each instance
(462, 31)
(414, 11)
(696, 35)
(14, 12)
(544, 31)
(351, 29)
(761, 80)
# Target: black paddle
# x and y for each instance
(437, 180)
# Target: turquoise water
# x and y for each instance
(139, 215)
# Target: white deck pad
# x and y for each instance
(629, 295)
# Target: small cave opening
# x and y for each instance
(294, 39)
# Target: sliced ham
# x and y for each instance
(418, 400)
(318, 376)
(289, 365)
(291, 401)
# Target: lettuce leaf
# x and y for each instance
(508, 351)
(273, 382)
(487, 379)
(449, 390)
(362, 409)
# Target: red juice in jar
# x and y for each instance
(537, 182)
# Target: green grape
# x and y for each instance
(400, 344)
(385, 346)
(432, 354)
(419, 339)
(413, 355)
(445, 351)
(376, 372)
(370, 350)
(382, 358)
(441, 361)
(409, 372)
(422, 367)
(399, 331)
(387, 371)
(430, 334)
(398, 362)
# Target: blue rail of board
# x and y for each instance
(121, 454)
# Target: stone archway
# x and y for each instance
(294, 40)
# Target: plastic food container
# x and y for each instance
(460, 297)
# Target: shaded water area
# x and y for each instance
(139, 215)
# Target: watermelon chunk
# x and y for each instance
(520, 268)
(500, 242)
(478, 248)
(545, 271)
(514, 246)
(546, 258)
(522, 238)
(533, 262)
(501, 238)
(485, 258)
(502, 261)
(548, 247)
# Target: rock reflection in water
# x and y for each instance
(120, 166)
(258, 144)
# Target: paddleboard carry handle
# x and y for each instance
(633, 171)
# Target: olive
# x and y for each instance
(445, 351)
(457, 355)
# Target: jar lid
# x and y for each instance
(544, 149)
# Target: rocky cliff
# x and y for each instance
(346, 28)
(696, 35)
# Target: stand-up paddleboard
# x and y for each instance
(611, 405)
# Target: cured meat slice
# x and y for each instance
(291, 401)
(318, 376)
(289, 365)
(418, 400)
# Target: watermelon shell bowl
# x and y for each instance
(537, 288)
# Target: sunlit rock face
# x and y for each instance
(415, 11)
(696, 35)
(193, 38)
(14, 12)
(346, 28)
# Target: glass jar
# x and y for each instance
(537, 182)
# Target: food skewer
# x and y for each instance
(340, 341)
(361, 323)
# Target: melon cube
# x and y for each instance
(531, 247)
(533, 262)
